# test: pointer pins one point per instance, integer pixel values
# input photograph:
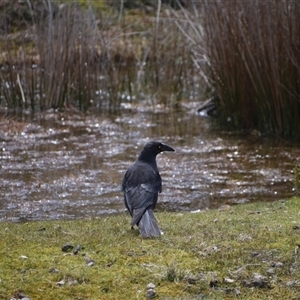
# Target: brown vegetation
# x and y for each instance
(77, 57)
(251, 61)
(246, 54)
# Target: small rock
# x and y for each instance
(276, 264)
(20, 295)
(292, 283)
(150, 286)
(214, 283)
(91, 263)
(258, 281)
(67, 248)
(271, 271)
(150, 294)
(255, 253)
(228, 280)
(61, 283)
(77, 249)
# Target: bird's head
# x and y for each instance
(156, 148)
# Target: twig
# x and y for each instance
(21, 89)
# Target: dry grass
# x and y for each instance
(85, 57)
(248, 52)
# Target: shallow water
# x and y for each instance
(65, 166)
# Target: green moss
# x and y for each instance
(213, 255)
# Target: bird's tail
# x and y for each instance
(148, 225)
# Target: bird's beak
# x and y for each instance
(166, 148)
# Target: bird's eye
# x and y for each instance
(159, 146)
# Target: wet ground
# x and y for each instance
(65, 166)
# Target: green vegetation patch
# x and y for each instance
(247, 252)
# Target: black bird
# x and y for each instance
(141, 185)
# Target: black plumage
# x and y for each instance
(141, 185)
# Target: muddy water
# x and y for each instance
(65, 166)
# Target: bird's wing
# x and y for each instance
(141, 176)
(141, 185)
(140, 199)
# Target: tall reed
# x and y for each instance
(85, 59)
(249, 53)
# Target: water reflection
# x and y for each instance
(71, 166)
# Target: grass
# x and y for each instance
(248, 252)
